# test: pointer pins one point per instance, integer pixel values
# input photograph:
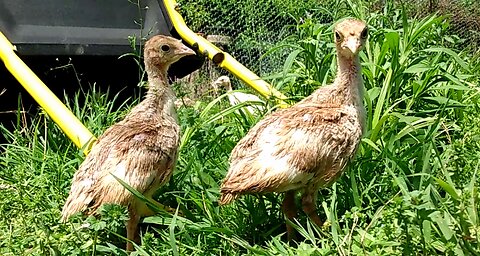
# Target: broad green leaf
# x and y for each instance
(406, 119)
(371, 144)
(414, 126)
(373, 93)
(427, 231)
(417, 68)
(473, 204)
(290, 60)
(382, 99)
(448, 188)
(444, 101)
(447, 232)
(449, 52)
(172, 239)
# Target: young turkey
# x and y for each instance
(307, 146)
(140, 150)
(236, 98)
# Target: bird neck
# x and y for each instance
(157, 75)
(348, 81)
(229, 88)
(160, 97)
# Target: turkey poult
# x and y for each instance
(307, 146)
(140, 150)
(236, 98)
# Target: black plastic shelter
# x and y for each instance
(71, 44)
(87, 27)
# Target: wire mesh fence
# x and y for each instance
(246, 29)
(250, 29)
(464, 17)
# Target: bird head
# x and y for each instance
(162, 51)
(222, 81)
(350, 37)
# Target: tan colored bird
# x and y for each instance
(235, 97)
(307, 146)
(141, 149)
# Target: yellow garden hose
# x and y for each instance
(69, 123)
(221, 58)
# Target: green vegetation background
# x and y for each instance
(412, 189)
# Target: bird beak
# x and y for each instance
(184, 51)
(353, 44)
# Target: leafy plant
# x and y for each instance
(413, 188)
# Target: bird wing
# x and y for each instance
(286, 149)
(141, 154)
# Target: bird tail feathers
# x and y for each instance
(72, 206)
(226, 198)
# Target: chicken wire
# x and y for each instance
(249, 29)
(464, 17)
(244, 28)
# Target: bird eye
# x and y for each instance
(338, 37)
(364, 33)
(165, 48)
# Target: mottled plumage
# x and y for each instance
(307, 146)
(141, 149)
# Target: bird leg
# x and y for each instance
(290, 210)
(309, 200)
(148, 211)
(164, 207)
(135, 212)
(133, 231)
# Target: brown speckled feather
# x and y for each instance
(308, 145)
(141, 150)
(293, 147)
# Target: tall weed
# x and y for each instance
(413, 188)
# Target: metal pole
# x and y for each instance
(59, 113)
(221, 58)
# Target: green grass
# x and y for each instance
(412, 189)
